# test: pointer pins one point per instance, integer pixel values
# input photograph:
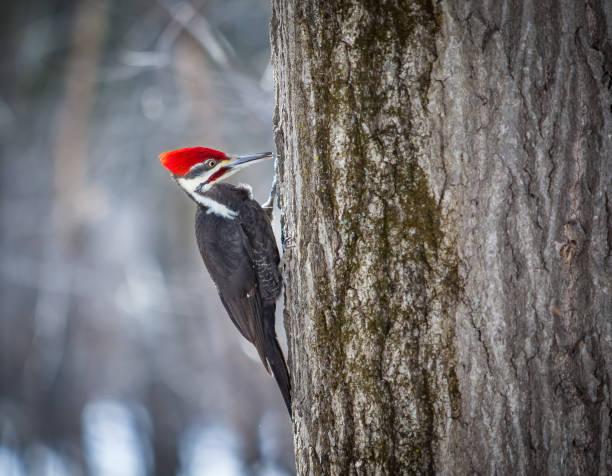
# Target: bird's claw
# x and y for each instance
(289, 243)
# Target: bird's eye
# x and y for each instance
(210, 163)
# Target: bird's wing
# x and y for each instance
(245, 313)
(262, 249)
(222, 245)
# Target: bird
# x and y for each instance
(237, 244)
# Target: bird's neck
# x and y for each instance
(201, 194)
(215, 207)
(211, 198)
(222, 199)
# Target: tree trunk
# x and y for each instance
(446, 206)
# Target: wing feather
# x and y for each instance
(262, 250)
(232, 271)
(241, 311)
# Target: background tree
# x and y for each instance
(446, 183)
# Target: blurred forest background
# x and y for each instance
(116, 357)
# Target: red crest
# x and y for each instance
(179, 161)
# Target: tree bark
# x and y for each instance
(447, 214)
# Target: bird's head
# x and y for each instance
(197, 169)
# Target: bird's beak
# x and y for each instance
(240, 160)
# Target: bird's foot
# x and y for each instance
(268, 205)
(289, 243)
(269, 210)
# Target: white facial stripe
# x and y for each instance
(215, 207)
(190, 185)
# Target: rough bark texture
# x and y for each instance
(445, 186)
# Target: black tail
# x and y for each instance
(275, 358)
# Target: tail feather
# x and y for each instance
(275, 357)
(274, 354)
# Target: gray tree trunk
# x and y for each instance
(445, 188)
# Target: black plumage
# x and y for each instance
(242, 258)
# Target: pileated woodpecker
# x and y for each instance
(237, 244)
